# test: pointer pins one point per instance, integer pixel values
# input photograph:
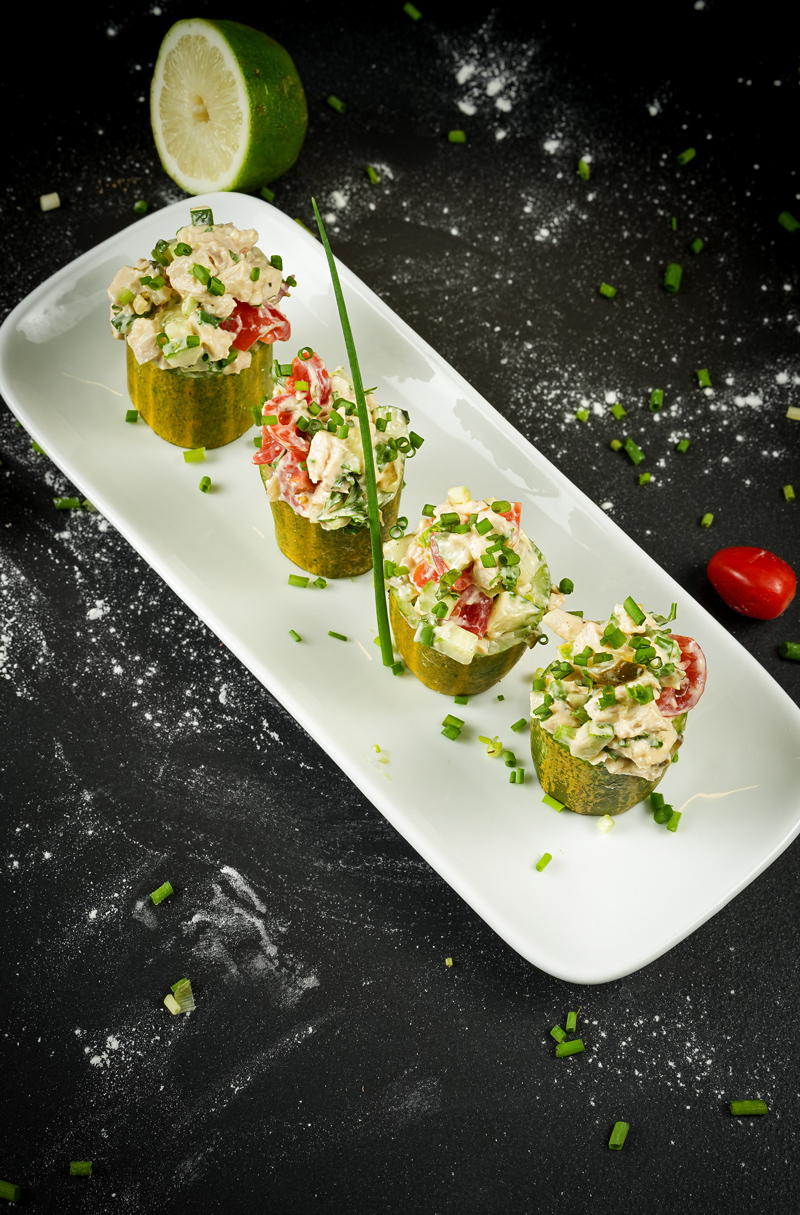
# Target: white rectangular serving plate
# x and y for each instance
(607, 904)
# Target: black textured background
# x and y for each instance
(333, 1063)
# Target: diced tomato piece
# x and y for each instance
(473, 610)
(512, 515)
(673, 701)
(423, 574)
(250, 325)
(314, 373)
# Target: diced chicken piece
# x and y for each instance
(142, 339)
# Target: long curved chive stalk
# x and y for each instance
(384, 633)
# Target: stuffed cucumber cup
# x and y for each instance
(467, 590)
(312, 464)
(199, 319)
(607, 716)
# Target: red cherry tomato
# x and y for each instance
(752, 581)
(473, 610)
(673, 701)
(251, 324)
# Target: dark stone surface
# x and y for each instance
(334, 1064)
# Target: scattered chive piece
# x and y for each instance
(295, 636)
(372, 175)
(634, 611)
(87, 505)
(696, 245)
(520, 776)
(608, 291)
(450, 720)
(662, 814)
(636, 454)
(566, 586)
(384, 632)
(788, 221)
(573, 1047)
(501, 697)
(605, 823)
(195, 455)
(205, 485)
(140, 206)
(448, 963)
(793, 413)
(707, 520)
(415, 15)
(255, 274)
(656, 399)
(644, 478)
(748, 1107)
(257, 441)
(618, 1135)
(10, 1191)
(162, 893)
(461, 700)
(520, 725)
(67, 503)
(557, 1033)
(336, 104)
(426, 635)
(540, 865)
(320, 582)
(456, 137)
(685, 156)
(583, 170)
(338, 636)
(673, 223)
(298, 580)
(790, 649)
(547, 800)
(703, 378)
(398, 668)
(788, 493)
(131, 415)
(615, 445)
(80, 1168)
(618, 411)
(682, 446)
(39, 450)
(572, 1021)
(427, 511)
(582, 415)
(675, 818)
(183, 995)
(268, 194)
(672, 277)
(452, 732)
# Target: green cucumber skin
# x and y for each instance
(338, 553)
(443, 674)
(199, 411)
(583, 787)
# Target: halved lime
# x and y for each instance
(227, 107)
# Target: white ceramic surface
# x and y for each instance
(607, 904)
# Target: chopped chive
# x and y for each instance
(125, 297)
(268, 194)
(80, 1168)
(673, 223)
(87, 505)
(257, 441)
(697, 244)
(131, 415)
(372, 175)
(608, 291)
(619, 1135)
(619, 411)
(644, 478)
(255, 274)
(258, 416)
(452, 732)
(520, 776)
(295, 636)
(634, 611)
(582, 415)
(662, 814)
(541, 864)
(672, 277)
(566, 586)
(501, 697)
(509, 759)
(415, 15)
(448, 961)
(571, 1022)
(384, 631)
(320, 582)
(788, 493)
(415, 439)
(461, 700)
(195, 455)
(426, 635)
(140, 206)
(270, 419)
(616, 445)
(162, 893)
(427, 511)
(298, 580)
(456, 137)
(338, 636)
(675, 818)
(707, 520)
(633, 451)
(790, 649)
(201, 273)
(656, 399)
(483, 527)
(67, 503)
(703, 378)
(788, 221)
(398, 668)
(748, 1107)
(557, 1033)
(520, 725)
(793, 413)
(181, 250)
(450, 720)
(682, 446)
(547, 800)
(39, 450)
(583, 170)
(9, 1191)
(205, 484)
(573, 1047)
(201, 215)
(684, 157)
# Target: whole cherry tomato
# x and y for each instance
(752, 581)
